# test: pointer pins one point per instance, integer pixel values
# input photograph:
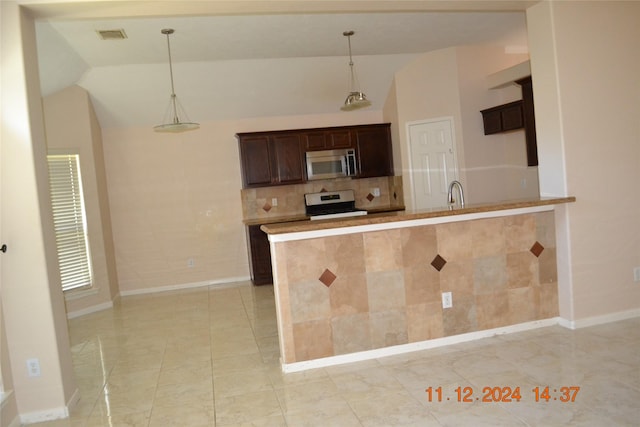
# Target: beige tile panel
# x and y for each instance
(382, 250)
(386, 291)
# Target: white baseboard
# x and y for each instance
(51, 414)
(41, 416)
(89, 310)
(416, 346)
(222, 283)
(599, 320)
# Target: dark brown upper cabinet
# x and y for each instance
(327, 139)
(374, 151)
(513, 116)
(278, 157)
(503, 118)
(529, 121)
(271, 159)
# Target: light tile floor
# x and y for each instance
(209, 357)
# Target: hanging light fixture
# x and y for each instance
(174, 104)
(355, 99)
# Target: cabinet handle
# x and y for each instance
(3, 248)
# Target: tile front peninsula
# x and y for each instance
(362, 287)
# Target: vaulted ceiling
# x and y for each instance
(255, 65)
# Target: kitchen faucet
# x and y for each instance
(450, 198)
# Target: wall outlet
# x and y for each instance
(33, 367)
(274, 202)
(191, 262)
(636, 274)
(447, 300)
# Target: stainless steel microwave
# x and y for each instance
(331, 164)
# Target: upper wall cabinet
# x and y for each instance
(278, 157)
(271, 159)
(374, 151)
(326, 139)
(515, 115)
(503, 118)
(529, 121)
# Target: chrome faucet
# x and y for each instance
(450, 198)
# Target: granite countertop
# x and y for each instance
(302, 217)
(380, 217)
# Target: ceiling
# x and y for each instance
(239, 66)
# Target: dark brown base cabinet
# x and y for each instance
(260, 256)
(278, 157)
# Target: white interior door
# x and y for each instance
(433, 161)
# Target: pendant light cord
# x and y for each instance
(168, 32)
(353, 79)
(176, 125)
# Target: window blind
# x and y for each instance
(69, 220)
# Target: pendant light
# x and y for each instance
(355, 99)
(175, 125)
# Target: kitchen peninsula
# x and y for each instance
(362, 287)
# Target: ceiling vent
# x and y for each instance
(112, 34)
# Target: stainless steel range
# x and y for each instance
(331, 204)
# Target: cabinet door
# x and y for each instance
(492, 122)
(503, 118)
(287, 159)
(375, 156)
(260, 256)
(338, 139)
(512, 117)
(256, 166)
(313, 141)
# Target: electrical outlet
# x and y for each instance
(636, 274)
(191, 263)
(33, 367)
(447, 300)
(274, 201)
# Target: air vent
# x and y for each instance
(112, 34)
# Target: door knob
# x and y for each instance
(3, 248)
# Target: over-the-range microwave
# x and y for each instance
(331, 164)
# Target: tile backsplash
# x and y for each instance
(288, 200)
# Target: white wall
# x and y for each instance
(494, 165)
(585, 63)
(426, 88)
(71, 127)
(452, 83)
(32, 301)
(176, 197)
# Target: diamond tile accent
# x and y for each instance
(370, 197)
(267, 207)
(327, 278)
(537, 249)
(438, 262)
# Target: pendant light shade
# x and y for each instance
(356, 99)
(175, 125)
